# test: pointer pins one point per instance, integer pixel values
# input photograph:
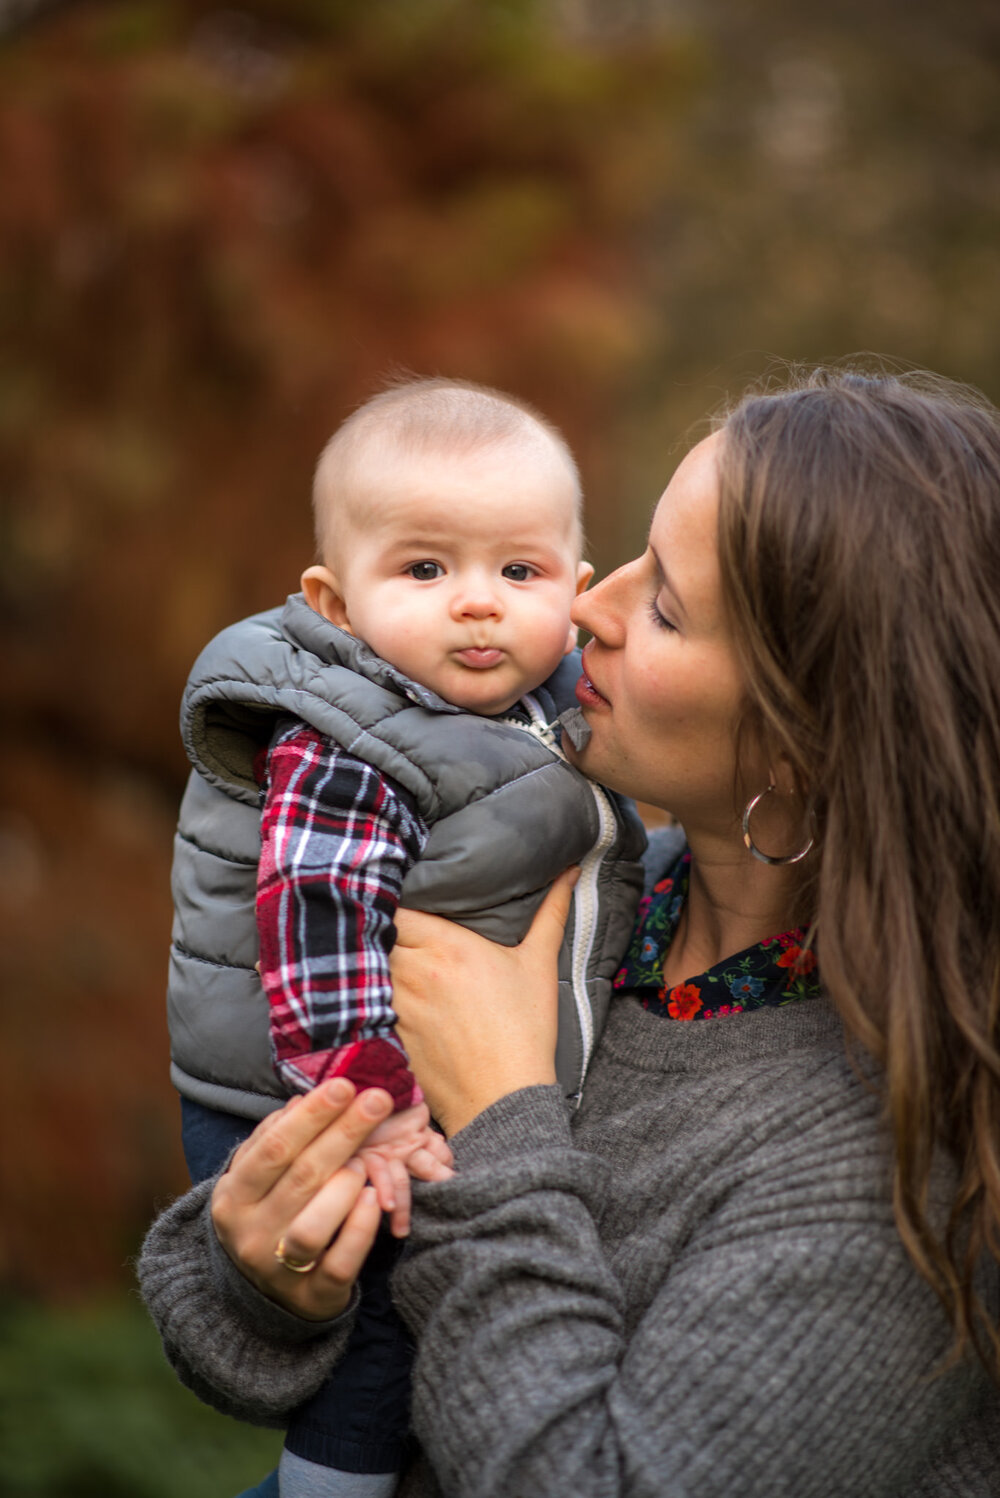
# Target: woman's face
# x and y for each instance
(662, 689)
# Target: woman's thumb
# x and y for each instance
(550, 918)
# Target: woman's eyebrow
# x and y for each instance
(665, 579)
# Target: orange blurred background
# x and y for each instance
(220, 229)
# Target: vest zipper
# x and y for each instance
(585, 894)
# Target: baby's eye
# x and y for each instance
(518, 572)
(425, 572)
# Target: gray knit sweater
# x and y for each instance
(692, 1287)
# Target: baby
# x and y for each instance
(388, 736)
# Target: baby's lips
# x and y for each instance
(480, 656)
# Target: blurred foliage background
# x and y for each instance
(220, 228)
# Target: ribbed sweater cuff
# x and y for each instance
(521, 1123)
(519, 1145)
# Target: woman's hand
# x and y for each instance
(478, 1020)
(295, 1183)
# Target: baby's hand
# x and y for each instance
(404, 1145)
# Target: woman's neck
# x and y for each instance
(733, 902)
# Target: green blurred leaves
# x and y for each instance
(89, 1409)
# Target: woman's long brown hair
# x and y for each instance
(859, 541)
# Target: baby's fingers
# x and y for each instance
(381, 1176)
(437, 1145)
(399, 1222)
(425, 1166)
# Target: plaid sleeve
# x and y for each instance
(337, 839)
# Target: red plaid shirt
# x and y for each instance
(337, 839)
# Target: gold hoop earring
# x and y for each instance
(768, 858)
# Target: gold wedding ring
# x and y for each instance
(297, 1266)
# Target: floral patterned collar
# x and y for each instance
(777, 971)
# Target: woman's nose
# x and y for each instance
(601, 609)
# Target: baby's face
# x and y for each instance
(460, 570)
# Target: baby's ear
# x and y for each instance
(584, 573)
(322, 593)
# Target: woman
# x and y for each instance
(762, 1257)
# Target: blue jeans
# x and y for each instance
(358, 1420)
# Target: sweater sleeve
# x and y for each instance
(776, 1351)
(337, 839)
(235, 1349)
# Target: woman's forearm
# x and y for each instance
(746, 1357)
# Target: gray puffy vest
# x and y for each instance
(506, 814)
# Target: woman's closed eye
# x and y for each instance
(659, 619)
(519, 572)
(425, 571)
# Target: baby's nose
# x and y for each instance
(476, 600)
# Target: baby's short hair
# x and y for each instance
(424, 415)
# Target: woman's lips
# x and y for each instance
(587, 694)
(480, 659)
